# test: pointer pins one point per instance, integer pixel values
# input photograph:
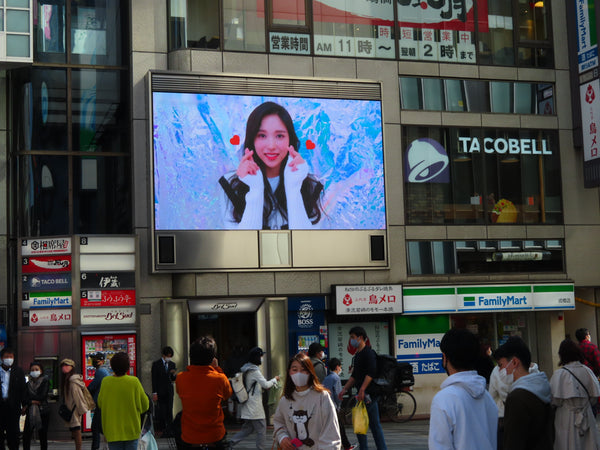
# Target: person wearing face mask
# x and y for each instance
(364, 369)
(305, 416)
(164, 373)
(333, 383)
(528, 413)
(500, 383)
(38, 413)
(316, 353)
(252, 411)
(12, 398)
(463, 414)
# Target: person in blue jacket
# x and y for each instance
(94, 388)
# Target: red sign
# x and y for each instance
(46, 264)
(122, 297)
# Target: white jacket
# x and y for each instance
(255, 383)
(463, 415)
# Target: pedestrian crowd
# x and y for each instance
(491, 399)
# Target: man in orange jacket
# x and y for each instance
(202, 388)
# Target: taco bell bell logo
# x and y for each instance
(426, 162)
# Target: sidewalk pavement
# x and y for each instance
(407, 436)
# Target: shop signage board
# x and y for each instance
(484, 298)
(103, 316)
(339, 341)
(417, 341)
(107, 280)
(590, 118)
(429, 300)
(368, 299)
(48, 317)
(38, 300)
(306, 321)
(587, 45)
(554, 296)
(116, 297)
(494, 298)
(46, 264)
(290, 43)
(46, 282)
(46, 246)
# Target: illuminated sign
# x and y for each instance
(45, 264)
(368, 299)
(119, 297)
(47, 317)
(502, 146)
(48, 246)
(46, 282)
(107, 280)
(47, 300)
(101, 316)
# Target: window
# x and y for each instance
(476, 96)
(464, 257)
(361, 29)
(243, 26)
(16, 27)
(195, 23)
(70, 134)
(481, 176)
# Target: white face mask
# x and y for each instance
(35, 373)
(167, 359)
(505, 377)
(8, 362)
(300, 379)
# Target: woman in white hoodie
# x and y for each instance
(252, 410)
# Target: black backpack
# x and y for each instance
(391, 375)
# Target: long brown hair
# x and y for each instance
(289, 387)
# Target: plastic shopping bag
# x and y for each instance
(360, 418)
(146, 440)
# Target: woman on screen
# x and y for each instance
(271, 188)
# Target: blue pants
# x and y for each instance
(374, 425)
(123, 445)
(250, 426)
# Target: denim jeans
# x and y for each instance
(374, 425)
(123, 445)
(250, 426)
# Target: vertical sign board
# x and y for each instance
(587, 40)
(418, 342)
(589, 94)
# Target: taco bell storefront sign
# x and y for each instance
(368, 299)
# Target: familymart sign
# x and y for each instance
(488, 298)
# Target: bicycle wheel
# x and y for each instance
(406, 405)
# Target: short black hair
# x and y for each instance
(203, 351)
(6, 350)
(314, 348)
(120, 363)
(334, 363)
(461, 348)
(516, 347)
(359, 332)
(581, 334)
(167, 351)
(569, 351)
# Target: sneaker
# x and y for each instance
(352, 447)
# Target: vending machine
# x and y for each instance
(108, 344)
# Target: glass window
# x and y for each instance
(443, 257)
(470, 175)
(100, 121)
(40, 109)
(496, 40)
(177, 12)
(455, 96)
(17, 45)
(49, 24)
(501, 96)
(101, 201)
(96, 29)
(410, 92)
(243, 26)
(478, 99)
(288, 12)
(433, 94)
(361, 29)
(17, 21)
(201, 27)
(524, 98)
(420, 261)
(43, 195)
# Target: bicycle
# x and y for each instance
(398, 406)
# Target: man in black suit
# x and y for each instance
(12, 399)
(163, 375)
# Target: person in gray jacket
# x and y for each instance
(252, 410)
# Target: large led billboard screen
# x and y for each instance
(224, 161)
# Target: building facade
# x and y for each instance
(444, 159)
